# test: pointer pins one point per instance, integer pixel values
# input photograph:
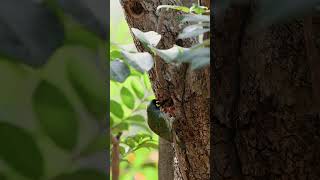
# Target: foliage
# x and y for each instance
(198, 56)
(127, 111)
(130, 92)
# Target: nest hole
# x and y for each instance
(136, 9)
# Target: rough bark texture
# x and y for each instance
(266, 118)
(186, 93)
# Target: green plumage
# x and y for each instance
(158, 122)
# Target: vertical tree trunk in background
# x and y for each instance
(166, 158)
(186, 92)
(266, 122)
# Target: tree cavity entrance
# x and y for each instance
(135, 9)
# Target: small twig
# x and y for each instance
(115, 157)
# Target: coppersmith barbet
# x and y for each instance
(158, 121)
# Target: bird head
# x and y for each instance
(154, 104)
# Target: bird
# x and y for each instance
(158, 121)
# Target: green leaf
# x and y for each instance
(140, 125)
(136, 118)
(172, 54)
(129, 48)
(139, 137)
(56, 115)
(89, 83)
(149, 164)
(122, 150)
(192, 54)
(116, 109)
(149, 98)
(20, 151)
(146, 81)
(77, 34)
(149, 38)
(126, 161)
(123, 126)
(90, 14)
(10, 93)
(127, 97)
(179, 8)
(198, 57)
(137, 89)
(119, 71)
(143, 136)
(140, 61)
(31, 43)
(192, 31)
(198, 9)
(130, 142)
(115, 54)
(195, 18)
(84, 174)
(149, 145)
(111, 121)
(200, 62)
(136, 73)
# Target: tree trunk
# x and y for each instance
(265, 91)
(165, 163)
(186, 93)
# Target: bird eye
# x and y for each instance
(157, 103)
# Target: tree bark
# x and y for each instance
(266, 115)
(186, 93)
